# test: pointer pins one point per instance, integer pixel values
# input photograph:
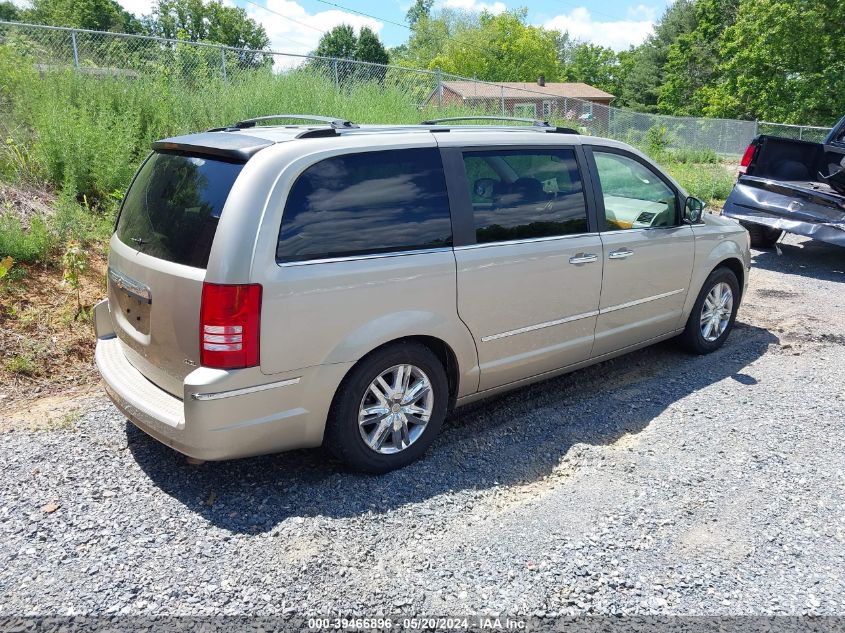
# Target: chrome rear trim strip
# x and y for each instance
(242, 392)
(353, 258)
(529, 240)
(540, 326)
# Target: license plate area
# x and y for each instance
(134, 311)
(133, 301)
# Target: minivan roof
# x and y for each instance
(243, 140)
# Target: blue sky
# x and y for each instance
(295, 26)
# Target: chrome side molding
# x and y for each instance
(540, 326)
(577, 317)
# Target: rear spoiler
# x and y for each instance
(225, 145)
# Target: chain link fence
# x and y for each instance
(118, 55)
(811, 133)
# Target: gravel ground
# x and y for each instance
(654, 483)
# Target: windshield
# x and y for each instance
(173, 206)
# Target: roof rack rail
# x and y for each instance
(334, 122)
(535, 123)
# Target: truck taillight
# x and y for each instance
(747, 157)
(230, 320)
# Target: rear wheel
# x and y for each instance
(389, 409)
(713, 315)
(762, 236)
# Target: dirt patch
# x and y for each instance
(25, 202)
(47, 343)
(51, 413)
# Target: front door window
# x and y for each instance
(634, 196)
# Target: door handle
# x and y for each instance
(622, 253)
(583, 258)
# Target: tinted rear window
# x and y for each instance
(173, 206)
(366, 203)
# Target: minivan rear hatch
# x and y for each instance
(158, 259)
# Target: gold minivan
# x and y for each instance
(273, 287)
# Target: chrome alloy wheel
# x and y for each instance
(395, 409)
(716, 311)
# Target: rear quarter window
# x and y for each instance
(366, 203)
(173, 206)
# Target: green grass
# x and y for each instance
(22, 364)
(86, 136)
(710, 182)
(33, 245)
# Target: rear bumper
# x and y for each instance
(797, 214)
(223, 414)
(823, 232)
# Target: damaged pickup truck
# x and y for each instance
(792, 186)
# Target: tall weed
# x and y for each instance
(22, 245)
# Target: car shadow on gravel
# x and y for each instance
(515, 438)
(807, 258)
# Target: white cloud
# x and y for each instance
(475, 6)
(618, 34)
(643, 12)
(292, 35)
(138, 7)
(298, 34)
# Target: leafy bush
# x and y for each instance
(698, 155)
(656, 140)
(74, 221)
(711, 183)
(23, 364)
(23, 245)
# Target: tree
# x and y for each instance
(419, 10)
(8, 11)
(782, 60)
(198, 21)
(428, 38)
(98, 15)
(369, 48)
(341, 42)
(692, 60)
(645, 66)
(591, 64)
(491, 47)
(565, 45)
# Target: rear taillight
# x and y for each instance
(230, 317)
(747, 158)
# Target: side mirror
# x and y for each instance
(693, 210)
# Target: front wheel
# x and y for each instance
(389, 409)
(713, 315)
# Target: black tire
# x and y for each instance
(692, 337)
(762, 236)
(342, 436)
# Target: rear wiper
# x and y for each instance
(139, 241)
